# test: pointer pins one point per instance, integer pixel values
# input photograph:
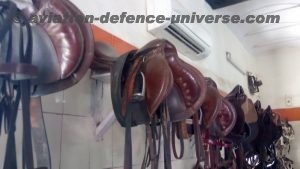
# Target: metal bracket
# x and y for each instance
(105, 125)
(229, 59)
(107, 121)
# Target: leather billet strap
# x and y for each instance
(174, 144)
(151, 154)
(10, 10)
(166, 135)
(10, 160)
(128, 142)
(39, 135)
(198, 139)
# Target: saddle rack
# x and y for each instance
(107, 121)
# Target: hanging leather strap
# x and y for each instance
(11, 9)
(27, 161)
(166, 136)
(128, 142)
(198, 139)
(174, 145)
(39, 135)
(10, 161)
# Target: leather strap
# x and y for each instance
(198, 138)
(39, 135)
(27, 161)
(174, 145)
(128, 142)
(11, 9)
(10, 160)
(166, 136)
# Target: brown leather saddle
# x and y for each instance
(56, 60)
(153, 86)
(219, 120)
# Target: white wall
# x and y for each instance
(136, 34)
(295, 148)
(279, 70)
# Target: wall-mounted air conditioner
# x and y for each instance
(191, 39)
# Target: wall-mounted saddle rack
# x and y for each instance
(229, 59)
(107, 121)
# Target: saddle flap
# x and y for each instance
(225, 120)
(211, 105)
(249, 111)
(159, 80)
(119, 76)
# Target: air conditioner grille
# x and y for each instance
(185, 39)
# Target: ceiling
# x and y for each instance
(266, 37)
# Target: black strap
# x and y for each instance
(146, 159)
(27, 161)
(11, 9)
(166, 136)
(128, 142)
(10, 161)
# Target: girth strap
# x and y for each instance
(128, 142)
(166, 136)
(27, 161)
(10, 161)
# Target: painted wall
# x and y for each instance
(279, 72)
(224, 40)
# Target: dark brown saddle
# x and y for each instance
(56, 60)
(269, 132)
(237, 97)
(219, 118)
(153, 86)
(252, 130)
(223, 117)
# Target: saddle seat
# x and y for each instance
(61, 59)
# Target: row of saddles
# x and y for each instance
(154, 87)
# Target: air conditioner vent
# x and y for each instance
(185, 39)
(192, 40)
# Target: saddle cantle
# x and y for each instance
(68, 48)
(84, 64)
